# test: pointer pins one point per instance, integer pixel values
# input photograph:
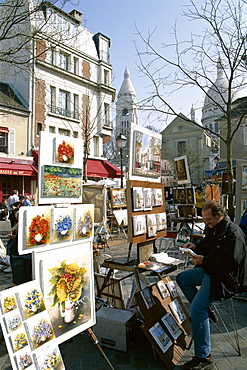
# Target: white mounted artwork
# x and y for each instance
(138, 199)
(139, 225)
(160, 337)
(151, 225)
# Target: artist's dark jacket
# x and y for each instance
(225, 259)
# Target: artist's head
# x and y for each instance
(212, 213)
(15, 192)
(198, 189)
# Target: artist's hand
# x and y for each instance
(190, 245)
(198, 259)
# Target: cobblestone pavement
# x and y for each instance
(81, 353)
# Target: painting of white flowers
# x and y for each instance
(66, 278)
(49, 357)
(84, 221)
(62, 224)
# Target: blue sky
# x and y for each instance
(117, 18)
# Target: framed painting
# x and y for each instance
(172, 287)
(61, 182)
(244, 177)
(151, 225)
(243, 205)
(182, 170)
(148, 199)
(160, 337)
(157, 197)
(62, 224)
(161, 221)
(84, 221)
(118, 198)
(137, 199)
(139, 225)
(64, 150)
(175, 195)
(147, 298)
(162, 288)
(49, 357)
(182, 196)
(65, 275)
(34, 228)
(190, 196)
(177, 311)
(172, 326)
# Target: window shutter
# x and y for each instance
(11, 141)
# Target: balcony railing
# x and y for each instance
(64, 112)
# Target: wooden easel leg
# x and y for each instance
(96, 342)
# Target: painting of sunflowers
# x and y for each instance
(67, 282)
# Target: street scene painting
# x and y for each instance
(177, 311)
(171, 325)
(61, 181)
(139, 225)
(66, 277)
(160, 337)
(146, 154)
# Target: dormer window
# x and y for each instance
(102, 44)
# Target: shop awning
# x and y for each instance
(102, 168)
(18, 169)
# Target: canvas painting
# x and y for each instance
(40, 330)
(66, 278)
(139, 225)
(160, 337)
(8, 301)
(24, 359)
(171, 325)
(148, 198)
(147, 298)
(158, 197)
(49, 357)
(151, 225)
(84, 221)
(190, 196)
(118, 198)
(13, 320)
(182, 170)
(175, 194)
(172, 287)
(62, 224)
(177, 311)
(18, 339)
(162, 288)
(244, 177)
(36, 228)
(30, 299)
(137, 199)
(161, 221)
(64, 150)
(61, 182)
(146, 153)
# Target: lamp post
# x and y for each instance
(121, 141)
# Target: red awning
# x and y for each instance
(102, 168)
(18, 169)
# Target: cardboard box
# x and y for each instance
(114, 328)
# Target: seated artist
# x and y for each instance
(220, 271)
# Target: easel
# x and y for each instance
(96, 342)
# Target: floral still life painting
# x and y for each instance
(13, 320)
(49, 357)
(19, 339)
(64, 152)
(31, 301)
(84, 221)
(24, 359)
(38, 226)
(40, 330)
(61, 182)
(8, 302)
(62, 224)
(67, 287)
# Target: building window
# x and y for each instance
(64, 61)
(245, 135)
(125, 112)
(76, 106)
(104, 50)
(52, 99)
(51, 56)
(64, 103)
(216, 127)
(181, 148)
(75, 134)
(62, 24)
(4, 141)
(106, 77)
(64, 132)
(106, 121)
(52, 129)
(76, 66)
(39, 128)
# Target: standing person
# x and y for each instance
(199, 200)
(11, 205)
(220, 271)
(27, 201)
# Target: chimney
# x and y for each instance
(76, 14)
